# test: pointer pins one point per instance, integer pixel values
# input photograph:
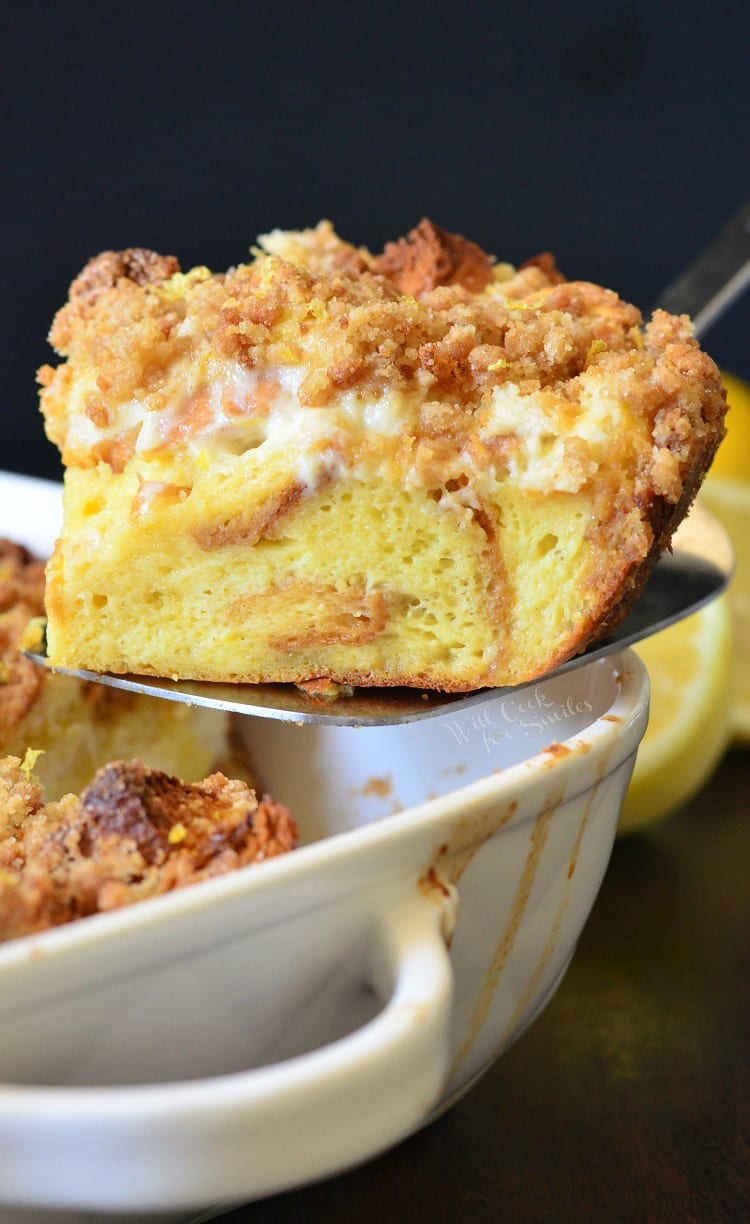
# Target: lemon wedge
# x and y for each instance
(729, 500)
(689, 666)
(726, 493)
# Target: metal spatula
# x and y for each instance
(695, 572)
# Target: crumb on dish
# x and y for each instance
(133, 833)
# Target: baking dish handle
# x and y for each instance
(243, 1135)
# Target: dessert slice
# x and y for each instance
(419, 468)
(76, 726)
(134, 833)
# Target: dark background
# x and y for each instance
(616, 135)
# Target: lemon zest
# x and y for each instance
(30, 759)
(596, 346)
(33, 635)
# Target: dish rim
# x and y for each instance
(613, 734)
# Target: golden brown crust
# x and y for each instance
(429, 256)
(665, 518)
(547, 264)
(104, 271)
(134, 833)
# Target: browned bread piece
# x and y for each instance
(134, 833)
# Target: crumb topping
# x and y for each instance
(161, 363)
(105, 271)
(133, 833)
(429, 256)
(21, 598)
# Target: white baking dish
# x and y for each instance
(267, 1028)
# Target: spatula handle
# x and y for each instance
(715, 278)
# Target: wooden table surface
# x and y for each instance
(629, 1099)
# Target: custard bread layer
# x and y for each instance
(418, 468)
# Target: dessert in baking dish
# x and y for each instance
(78, 726)
(134, 833)
(419, 467)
